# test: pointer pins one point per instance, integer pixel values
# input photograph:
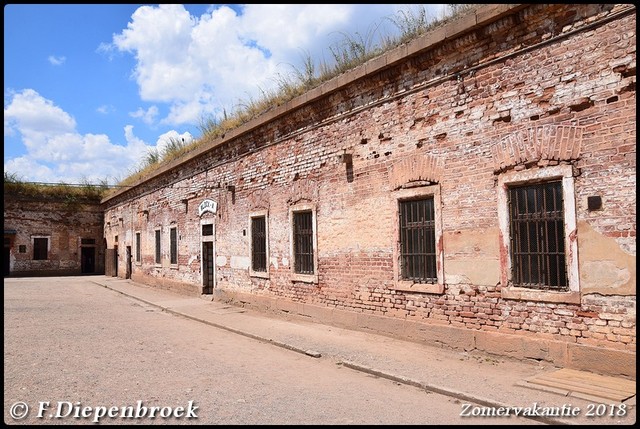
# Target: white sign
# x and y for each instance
(207, 206)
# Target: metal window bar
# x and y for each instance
(303, 242)
(418, 241)
(259, 244)
(536, 220)
(157, 246)
(173, 232)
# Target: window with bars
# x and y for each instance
(158, 253)
(418, 241)
(138, 247)
(40, 248)
(259, 244)
(303, 242)
(173, 244)
(537, 236)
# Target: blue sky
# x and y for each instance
(90, 89)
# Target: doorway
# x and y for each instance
(127, 274)
(87, 260)
(7, 257)
(207, 267)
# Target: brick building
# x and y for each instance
(474, 188)
(52, 233)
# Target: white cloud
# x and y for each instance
(147, 116)
(56, 61)
(57, 152)
(205, 64)
(105, 109)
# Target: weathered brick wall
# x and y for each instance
(543, 86)
(65, 224)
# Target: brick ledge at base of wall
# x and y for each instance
(605, 361)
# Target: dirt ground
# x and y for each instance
(72, 347)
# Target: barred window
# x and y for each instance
(259, 244)
(158, 260)
(40, 249)
(138, 249)
(173, 240)
(303, 242)
(418, 241)
(537, 234)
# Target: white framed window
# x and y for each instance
(41, 247)
(418, 256)
(173, 246)
(537, 219)
(138, 247)
(304, 243)
(158, 247)
(259, 239)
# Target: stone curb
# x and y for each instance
(348, 364)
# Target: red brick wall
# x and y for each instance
(65, 226)
(546, 85)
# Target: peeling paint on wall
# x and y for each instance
(604, 267)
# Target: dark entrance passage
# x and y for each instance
(207, 267)
(7, 257)
(129, 263)
(87, 260)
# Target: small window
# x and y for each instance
(418, 241)
(40, 249)
(537, 234)
(138, 247)
(303, 242)
(173, 237)
(259, 244)
(22, 248)
(87, 241)
(158, 252)
(207, 229)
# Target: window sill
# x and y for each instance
(408, 286)
(174, 266)
(306, 278)
(524, 294)
(259, 274)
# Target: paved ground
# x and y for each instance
(487, 384)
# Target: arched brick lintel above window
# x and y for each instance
(537, 145)
(416, 168)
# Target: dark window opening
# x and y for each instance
(207, 229)
(87, 241)
(173, 234)
(157, 246)
(536, 226)
(259, 244)
(22, 248)
(40, 248)
(303, 242)
(138, 249)
(418, 241)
